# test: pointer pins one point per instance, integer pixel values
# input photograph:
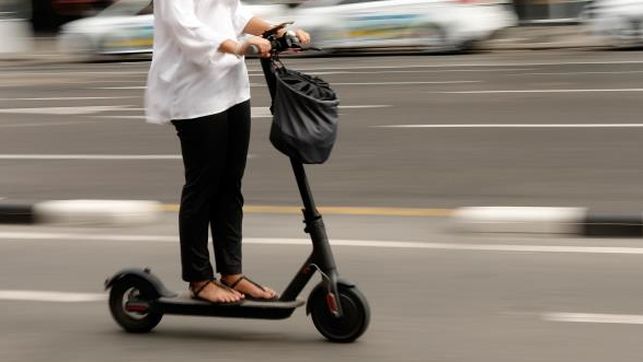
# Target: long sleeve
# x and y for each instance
(198, 41)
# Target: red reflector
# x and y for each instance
(136, 307)
(332, 302)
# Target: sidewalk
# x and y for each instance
(43, 51)
(543, 37)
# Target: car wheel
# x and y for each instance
(431, 38)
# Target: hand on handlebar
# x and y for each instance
(256, 46)
(304, 37)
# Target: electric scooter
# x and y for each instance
(340, 312)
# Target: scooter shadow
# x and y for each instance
(226, 335)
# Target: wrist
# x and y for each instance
(238, 49)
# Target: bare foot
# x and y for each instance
(246, 286)
(214, 292)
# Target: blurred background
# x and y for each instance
(445, 104)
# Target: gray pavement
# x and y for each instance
(435, 295)
(372, 165)
(428, 304)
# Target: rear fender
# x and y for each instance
(140, 274)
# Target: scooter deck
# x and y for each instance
(185, 305)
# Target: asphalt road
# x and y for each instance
(373, 164)
(435, 295)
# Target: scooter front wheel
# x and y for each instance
(129, 302)
(355, 313)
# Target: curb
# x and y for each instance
(75, 212)
(542, 37)
(547, 220)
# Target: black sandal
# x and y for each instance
(248, 296)
(195, 293)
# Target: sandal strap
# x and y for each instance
(198, 291)
(222, 285)
(243, 277)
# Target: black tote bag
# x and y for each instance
(305, 116)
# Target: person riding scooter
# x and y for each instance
(198, 81)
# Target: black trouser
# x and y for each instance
(214, 156)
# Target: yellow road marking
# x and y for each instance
(337, 210)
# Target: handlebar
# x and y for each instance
(279, 44)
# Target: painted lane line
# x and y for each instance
(44, 124)
(593, 318)
(67, 73)
(500, 248)
(366, 106)
(409, 71)
(51, 296)
(62, 98)
(45, 157)
(71, 157)
(77, 110)
(468, 65)
(337, 210)
(121, 88)
(142, 118)
(510, 125)
(409, 83)
(356, 83)
(584, 73)
(256, 112)
(527, 91)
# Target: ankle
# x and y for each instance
(228, 278)
(197, 284)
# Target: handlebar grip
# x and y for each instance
(253, 50)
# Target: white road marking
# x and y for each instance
(593, 318)
(257, 112)
(408, 83)
(469, 65)
(584, 73)
(121, 117)
(408, 71)
(366, 106)
(513, 125)
(122, 88)
(89, 157)
(502, 248)
(72, 157)
(50, 296)
(65, 72)
(579, 90)
(62, 98)
(76, 110)
(44, 124)
(356, 83)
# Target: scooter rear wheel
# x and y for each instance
(355, 317)
(126, 293)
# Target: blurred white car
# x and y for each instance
(618, 21)
(424, 25)
(125, 27)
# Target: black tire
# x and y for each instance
(133, 289)
(355, 318)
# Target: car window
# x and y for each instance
(149, 9)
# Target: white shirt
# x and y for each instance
(189, 77)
